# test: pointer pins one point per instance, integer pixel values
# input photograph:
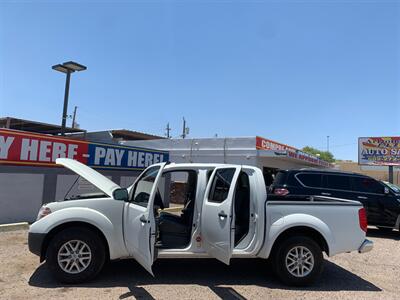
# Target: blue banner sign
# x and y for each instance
(33, 149)
(107, 156)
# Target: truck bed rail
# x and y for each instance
(310, 200)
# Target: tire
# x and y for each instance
(285, 256)
(71, 266)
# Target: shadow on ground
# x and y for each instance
(374, 232)
(204, 272)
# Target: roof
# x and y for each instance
(323, 171)
(34, 126)
(130, 135)
(203, 165)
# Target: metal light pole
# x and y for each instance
(67, 68)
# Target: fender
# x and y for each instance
(112, 233)
(282, 224)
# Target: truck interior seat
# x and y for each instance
(175, 231)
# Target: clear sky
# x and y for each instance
(292, 71)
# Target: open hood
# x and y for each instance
(98, 180)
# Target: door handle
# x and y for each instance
(362, 197)
(143, 219)
(326, 194)
(255, 217)
(222, 215)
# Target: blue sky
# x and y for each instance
(292, 71)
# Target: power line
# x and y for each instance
(342, 145)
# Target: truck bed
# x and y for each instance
(337, 220)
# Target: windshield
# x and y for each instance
(393, 187)
(144, 185)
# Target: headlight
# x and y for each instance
(44, 211)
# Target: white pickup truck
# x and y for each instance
(226, 215)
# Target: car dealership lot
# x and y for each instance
(372, 275)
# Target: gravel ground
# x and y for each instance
(374, 275)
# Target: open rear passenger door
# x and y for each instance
(139, 222)
(217, 217)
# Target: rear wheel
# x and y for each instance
(75, 255)
(298, 261)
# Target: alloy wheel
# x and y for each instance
(299, 261)
(74, 256)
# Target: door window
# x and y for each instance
(142, 191)
(221, 184)
(367, 185)
(310, 180)
(242, 207)
(337, 182)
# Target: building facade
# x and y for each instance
(268, 155)
(29, 176)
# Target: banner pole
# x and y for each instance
(391, 174)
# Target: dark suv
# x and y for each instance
(381, 202)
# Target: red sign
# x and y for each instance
(18, 147)
(265, 144)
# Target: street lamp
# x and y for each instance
(67, 68)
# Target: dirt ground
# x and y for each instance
(374, 275)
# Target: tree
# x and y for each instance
(324, 155)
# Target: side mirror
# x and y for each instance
(121, 194)
(386, 191)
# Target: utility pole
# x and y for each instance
(74, 116)
(168, 129)
(184, 128)
(327, 143)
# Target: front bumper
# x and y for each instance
(35, 242)
(366, 246)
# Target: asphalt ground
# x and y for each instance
(373, 275)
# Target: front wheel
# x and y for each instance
(75, 255)
(298, 261)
